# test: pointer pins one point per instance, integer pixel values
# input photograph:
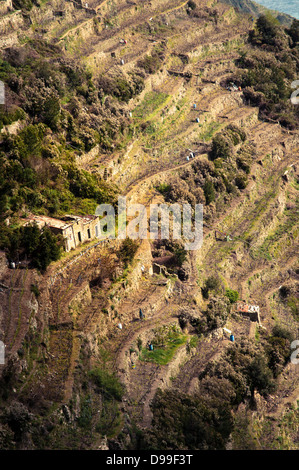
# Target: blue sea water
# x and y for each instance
(286, 6)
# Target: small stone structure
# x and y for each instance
(252, 311)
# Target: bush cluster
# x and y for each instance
(40, 248)
(270, 68)
(127, 251)
(122, 87)
(151, 63)
(213, 181)
(188, 422)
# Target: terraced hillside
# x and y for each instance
(79, 372)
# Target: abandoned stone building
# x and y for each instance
(251, 311)
(75, 230)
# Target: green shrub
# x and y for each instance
(51, 112)
(279, 350)
(209, 191)
(232, 295)
(241, 181)
(237, 134)
(180, 255)
(267, 76)
(293, 32)
(121, 87)
(8, 117)
(127, 251)
(243, 165)
(29, 141)
(217, 312)
(221, 148)
(85, 417)
(282, 332)
(260, 377)
(150, 63)
(293, 304)
(164, 188)
(267, 31)
(109, 418)
(88, 186)
(24, 5)
(35, 290)
(108, 384)
(191, 4)
(43, 251)
(212, 283)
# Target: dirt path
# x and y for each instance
(143, 381)
(207, 351)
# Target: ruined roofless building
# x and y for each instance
(75, 230)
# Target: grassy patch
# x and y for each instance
(166, 342)
(193, 342)
(152, 103)
(108, 384)
(210, 129)
(293, 304)
(271, 245)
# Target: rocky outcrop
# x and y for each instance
(255, 9)
(5, 7)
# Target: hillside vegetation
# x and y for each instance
(163, 101)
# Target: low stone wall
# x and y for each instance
(87, 157)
